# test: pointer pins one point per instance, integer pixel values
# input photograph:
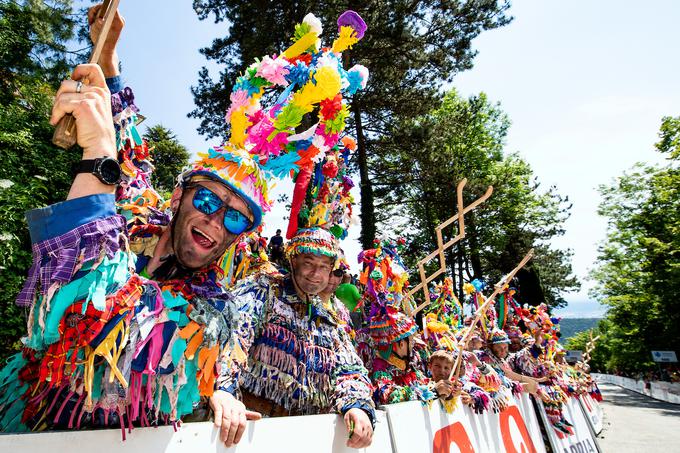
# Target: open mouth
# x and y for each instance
(202, 238)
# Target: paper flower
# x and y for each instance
(357, 77)
(273, 70)
(354, 20)
(314, 23)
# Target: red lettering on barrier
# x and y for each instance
(585, 400)
(449, 435)
(527, 445)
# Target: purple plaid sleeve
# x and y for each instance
(55, 260)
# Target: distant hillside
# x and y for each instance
(571, 326)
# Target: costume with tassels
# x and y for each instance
(395, 378)
(508, 386)
(443, 318)
(298, 360)
(108, 344)
(535, 361)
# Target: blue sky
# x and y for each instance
(585, 84)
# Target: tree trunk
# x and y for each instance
(368, 229)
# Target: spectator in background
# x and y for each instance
(276, 248)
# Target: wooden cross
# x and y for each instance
(442, 247)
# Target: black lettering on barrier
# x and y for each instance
(590, 447)
(581, 447)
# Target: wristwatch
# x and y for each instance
(105, 168)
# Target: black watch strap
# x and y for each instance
(85, 166)
(106, 169)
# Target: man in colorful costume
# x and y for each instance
(388, 342)
(128, 324)
(298, 361)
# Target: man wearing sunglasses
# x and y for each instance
(128, 323)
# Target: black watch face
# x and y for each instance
(109, 170)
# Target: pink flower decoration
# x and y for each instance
(273, 70)
(238, 99)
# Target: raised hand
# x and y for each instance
(109, 57)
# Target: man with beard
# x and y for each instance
(128, 323)
(299, 361)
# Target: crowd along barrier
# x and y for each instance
(405, 427)
(660, 390)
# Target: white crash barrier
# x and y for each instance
(418, 428)
(593, 412)
(309, 434)
(582, 441)
(663, 391)
(405, 427)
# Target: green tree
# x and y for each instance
(411, 48)
(464, 138)
(169, 157)
(33, 42)
(638, 266)
(33, 172)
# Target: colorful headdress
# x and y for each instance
(264, 140)
(384, 275)
(316, 241)
(386, 279)
(498, 337)
(537, 319)
(446, 305)
(513, 331)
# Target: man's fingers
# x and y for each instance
(347, 419)
(218, 415)
(226, 427)
(233, 427)
(92, 72)
(70, 86)
(241, 428)
(252, 415)
(92, 13)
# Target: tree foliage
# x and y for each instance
(411, 48)
(638, 266)
(33, 172)
(464, 138)
(169, 157)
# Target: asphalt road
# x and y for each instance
(636, 423)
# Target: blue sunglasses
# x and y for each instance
(207, 202)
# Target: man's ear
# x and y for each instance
(176, 197)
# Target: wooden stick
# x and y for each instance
(65, 134)
(482, 309)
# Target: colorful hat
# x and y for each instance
(390, 327)
(513, 332)
(316, 241)
(236, 169)
(446, 305)
(498, 337)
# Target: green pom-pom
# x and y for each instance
(337, 231)
(348, 295)
(376, 275)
